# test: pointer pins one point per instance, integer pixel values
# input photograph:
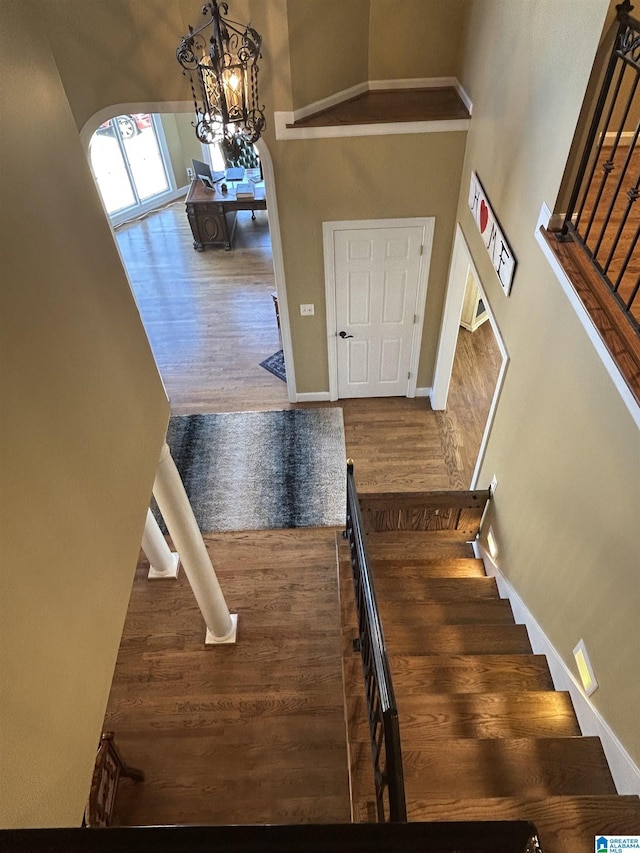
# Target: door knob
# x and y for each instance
(344, 335)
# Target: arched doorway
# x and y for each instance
(241, 323)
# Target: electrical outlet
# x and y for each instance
(190, 173)
(494, 484)
(307, 310)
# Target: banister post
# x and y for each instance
(163, 562)
(176, 510)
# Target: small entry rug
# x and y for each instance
(275, 364)
(259, 470)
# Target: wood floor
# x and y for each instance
(255, 733)
(247, 733)
(210, 320)
(391, 105)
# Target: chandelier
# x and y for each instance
(221, 59)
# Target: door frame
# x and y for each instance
(461, 264)
(328, 230)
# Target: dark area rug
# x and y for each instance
(260, 470)
(275, 364)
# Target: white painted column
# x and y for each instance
(174, 505)
(163, 562)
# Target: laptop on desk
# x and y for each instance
(234, 174)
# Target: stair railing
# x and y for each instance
(384, 728)
(600, 213)
(465, 837)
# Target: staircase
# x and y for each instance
(484, 734)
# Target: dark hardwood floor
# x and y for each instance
(391, 105)
(255, 733)
(211, 321)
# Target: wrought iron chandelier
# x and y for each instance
(221, 59)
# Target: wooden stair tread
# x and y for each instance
(487, 715)
(453, 567)
(419, 544)
(424, 674)
(456, 639)
(418, 613)
(420, 588)
(565, 824)
(529, 767)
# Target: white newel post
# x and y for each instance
(174, 505)
(163, 562)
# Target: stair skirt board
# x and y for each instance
(625, 772)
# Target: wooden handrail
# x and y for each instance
(384, 727)
(463, 837)
(602, 214)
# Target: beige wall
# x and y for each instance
(329, 41)
(564, 448)
(415, 38)
(182, 144)
(120, 52)
(355, 179)
(83, 419)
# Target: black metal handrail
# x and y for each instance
(601, 214)
(381, 704)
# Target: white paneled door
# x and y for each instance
(378, 272)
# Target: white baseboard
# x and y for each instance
(423, 392)
(313, 397)
(157, 203)
(625, 772)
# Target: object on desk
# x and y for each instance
(217, 176)
(244, 191)
(207, 183)
(235, 174)
(223, 188)
(201, 170)
(109, 767)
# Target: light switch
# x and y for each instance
(307, 310)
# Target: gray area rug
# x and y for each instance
(259, 470)
(275, 364)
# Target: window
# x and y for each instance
(127, 162)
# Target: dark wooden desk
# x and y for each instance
(212, 213)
